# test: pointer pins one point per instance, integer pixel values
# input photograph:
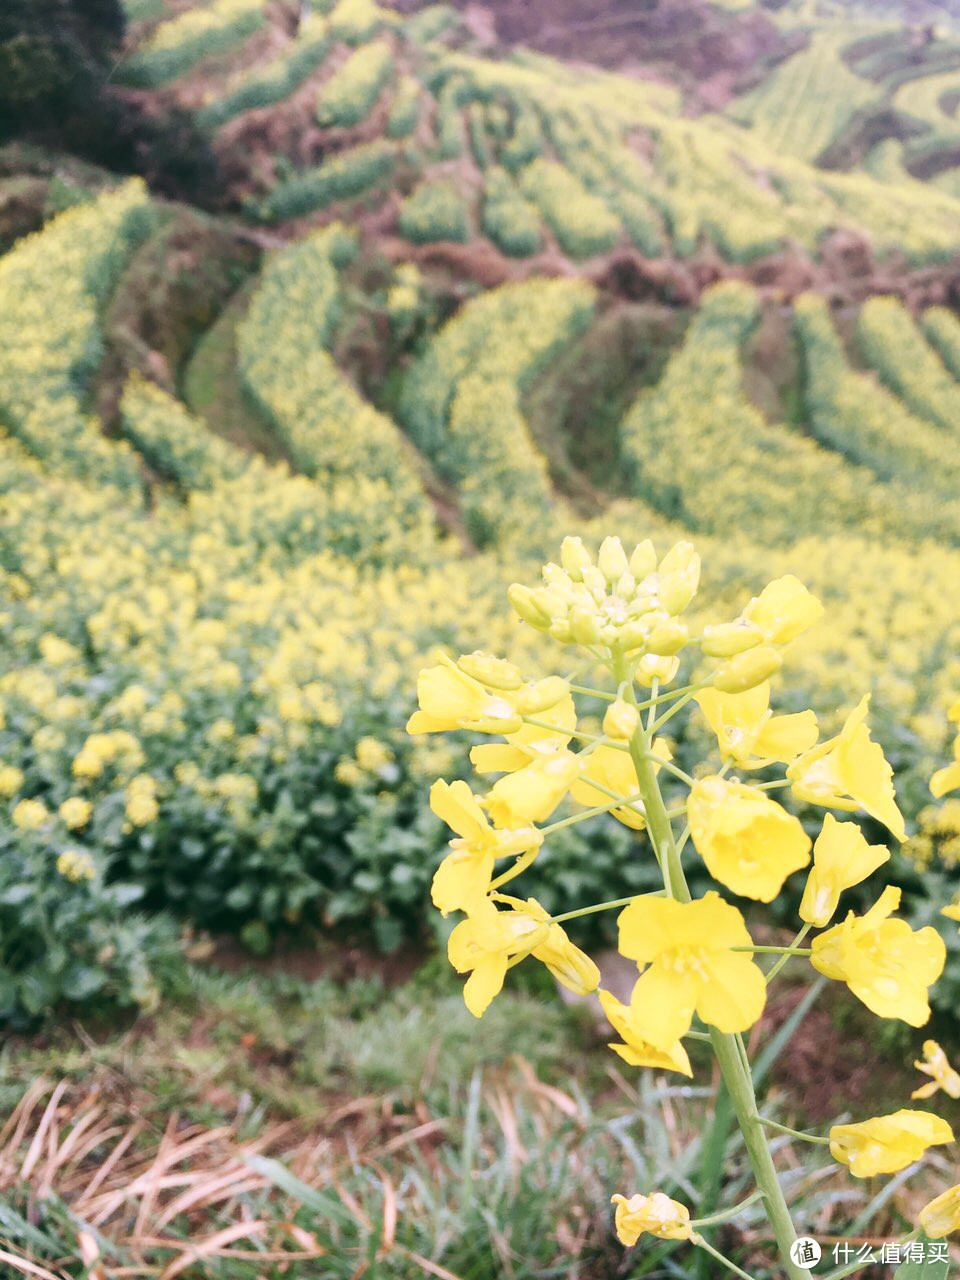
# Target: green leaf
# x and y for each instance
(16, 894)
(82, 981)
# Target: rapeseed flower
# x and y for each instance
(886, 965)
(748, 842)
(655, 1215)
(521, 748)
(783, 610)
(635, 1049)
(612, 769)
(886, 1144)
(75, 812)
(849, 772)
(485, 944)
(450, 698)
(76, 865)
(30, 815)
(948, 778)
(685, 950)
(936, 1065)
(841, 859)
(941, 1217)
(532, 793)
(749, 734)
(11, 780)
(463, 877)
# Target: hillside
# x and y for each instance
(452, 299)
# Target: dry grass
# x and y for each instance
(150, 1204)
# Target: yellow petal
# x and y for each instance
(461, 879)
(734, 992)
(484, 983)
(455, 804)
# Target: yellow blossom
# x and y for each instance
(11, 780)
(30, 815)
(348, 773)
(75, 812)
(885, 1144)
(884, 962)
(936, 1065)
(522, 747)
(635, 1049)
(783, 610)
(948, 778)
(484, 944)
(450, 698)
(841, 859)
(76, 865)
(690, 967)
(464, 875)
(749, 734)
(612, 768)
(655, 1215)
(532, 793)
(941, 1217)
(373, 755)
(849, 772)
(748, 842)
(141, 800)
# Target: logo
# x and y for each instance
(805, 1252)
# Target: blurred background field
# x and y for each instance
(319, 325)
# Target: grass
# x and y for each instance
(212, 390)
(266, 1125)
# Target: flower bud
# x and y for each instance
(668, 638)
(595, 583)
(612, 559)
(495, 673)
(651, 667)
(558, 580)
(559, 629)
(575, 557)
(679, 577)
(746, 670)
(625, 585)
(542, 695)
(521, 598)
(620, 720)
(643, 562)
(730, 638)
(633, 634)
(585, 626)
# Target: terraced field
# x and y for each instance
(257, 464)
(355, 111)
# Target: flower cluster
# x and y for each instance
(698, 966)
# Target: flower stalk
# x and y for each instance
(735, 1073)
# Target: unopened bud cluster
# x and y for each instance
(628, 604)
(631, 605)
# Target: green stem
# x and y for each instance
(593, 693)
(731, 1266)
(793, 1133)
(670, 768)
(589, 813)
(571, 733)
(776, 951)
(736, 1076)
(793, 949)
(691, 692)
(726, 1214)
(604, 906)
